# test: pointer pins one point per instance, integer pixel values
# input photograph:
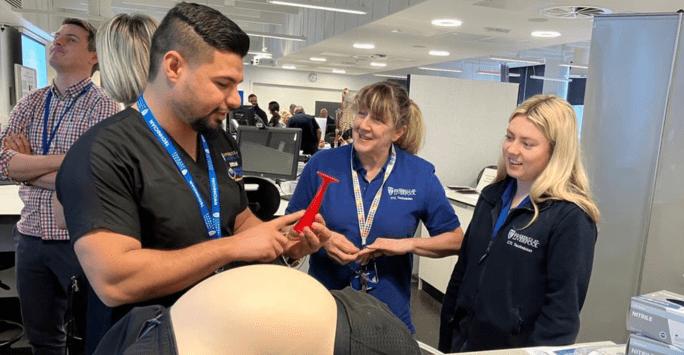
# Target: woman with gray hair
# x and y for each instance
(123, 48)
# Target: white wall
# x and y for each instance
(465, 122)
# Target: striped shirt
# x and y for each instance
(79, 113)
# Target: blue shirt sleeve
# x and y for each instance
(305, 190)
(439, 215)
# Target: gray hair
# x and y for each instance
(123, 48)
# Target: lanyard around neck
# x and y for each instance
(47, 142)
(211, 220)
(366, 223)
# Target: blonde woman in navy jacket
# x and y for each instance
(525, 263)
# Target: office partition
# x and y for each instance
(465, 122)
(633, 139)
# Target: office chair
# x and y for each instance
(265, 200)
(479, 176)
(10, 332)
(330, 137)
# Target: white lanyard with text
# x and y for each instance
(366, 223)
(211, 220)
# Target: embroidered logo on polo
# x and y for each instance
(400, 193)
(234, 168)
(522, 242)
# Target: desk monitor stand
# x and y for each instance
(312, 210)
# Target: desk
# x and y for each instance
(595, 348)
(10, 211)
(437, 272)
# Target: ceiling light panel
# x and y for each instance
(442, 70)
(447, 22)
(391, 76)
(546, 34)
(364, 45)
(318, 6)
(516, 60)
(276, 36)
(438, 53)
(378, 64)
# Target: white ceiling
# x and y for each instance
(490, 27)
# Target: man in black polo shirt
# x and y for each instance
(149, 192)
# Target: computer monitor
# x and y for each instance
(270, 152)
(244, 115)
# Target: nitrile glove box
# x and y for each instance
(658, 315)
(641, 345)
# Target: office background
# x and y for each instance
(614, 126)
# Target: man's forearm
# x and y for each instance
(246, 220)
(25, 167)
(46, 181)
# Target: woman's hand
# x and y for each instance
(385, 246)
(309, 241)
(340, 249)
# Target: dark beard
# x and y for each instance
(202, 127)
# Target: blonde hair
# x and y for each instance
(390, 101)
(285, 116)
(123, 49)
(564, 177)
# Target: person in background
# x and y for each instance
(311, 132)
(217, 317)
(524, 268)
(42, 127)
(257, 110)
(292, 109)
(123, 46)
(138, 243)
(343, 131)
(384, 190)
(285, 117)
(329, 128)
(273, 107)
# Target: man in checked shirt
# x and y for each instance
(42, 127)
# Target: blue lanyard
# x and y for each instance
(211, 220)
(506, 199)
(47, 142)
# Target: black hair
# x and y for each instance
(188, 28)
(273, 106)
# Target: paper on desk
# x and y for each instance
(488, 175)
(578, 350)
(463, 189)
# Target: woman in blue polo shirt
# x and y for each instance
(384, 190)
(523, 272)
